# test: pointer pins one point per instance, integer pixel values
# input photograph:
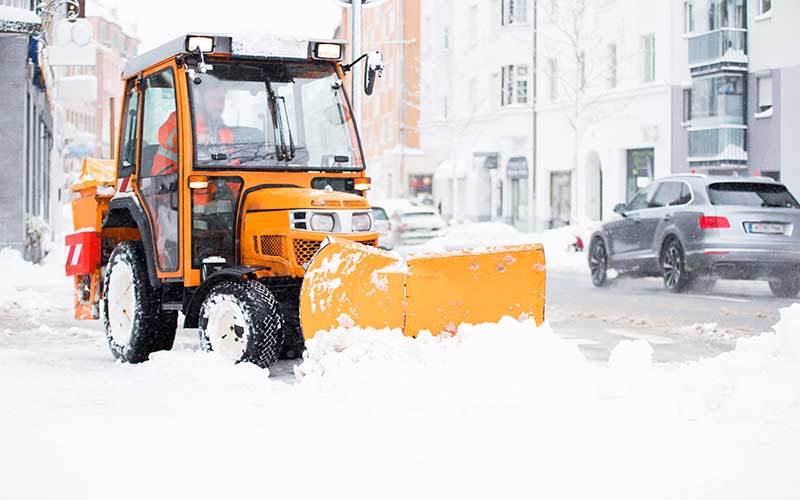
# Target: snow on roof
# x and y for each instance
(17, 15)
(95, 8)
(269, 45)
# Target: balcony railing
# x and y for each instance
(718, 146)
(724, 46)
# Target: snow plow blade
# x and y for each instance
(349, 284)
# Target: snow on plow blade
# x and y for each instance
(350, 284)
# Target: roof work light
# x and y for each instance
(201, 43)
(326, 50)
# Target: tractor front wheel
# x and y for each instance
(134, 324)
(242, 321)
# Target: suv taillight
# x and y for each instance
(714, 222)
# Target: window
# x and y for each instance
(669, 194)
(720, 98)
(612, 65)
(687, 105)
(514, 11)
(552, 70)
(649, 58)
(445, 108)
(751, 194)
(640, 168)
(582, 69)
(688, 16)
(764, 93)
(446, 37)
(764, 6)
(553, 7)
(514, 86)
(643, 198)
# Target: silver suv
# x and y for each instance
(694, 228)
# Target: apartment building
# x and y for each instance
(741, 108)
(26, 141)
(390, 116)
(477, 107)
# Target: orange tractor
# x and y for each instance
(238, 198)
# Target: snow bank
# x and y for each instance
(560, 257)
(33, 287)
(497, 411)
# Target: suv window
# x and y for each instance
(686, 194)
(668, 194)
(642, 198)
(751, 194)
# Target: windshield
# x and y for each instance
(272, 115)
(751, 194)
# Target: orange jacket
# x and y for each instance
(165, 161)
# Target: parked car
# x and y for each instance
(384, 228)
(694, 228)
(415, 225)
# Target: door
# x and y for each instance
(627, 233)
(659, 216)
(158, 167)
(126, 164)
(560, 198)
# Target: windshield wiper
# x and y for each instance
(244, 152)
(280, 124)
(285, 123)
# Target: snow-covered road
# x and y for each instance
(499, 411)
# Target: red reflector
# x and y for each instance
(716, 253)
(714, 222)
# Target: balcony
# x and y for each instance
(724, 146)
(724, 48)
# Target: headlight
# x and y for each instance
(322, 223)
(361, 222)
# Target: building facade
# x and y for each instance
(477, 108)
(390, 117)
(86, 117)
(742, 104)
(27, 138)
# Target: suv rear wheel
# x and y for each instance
(673, 264)
(786, 288)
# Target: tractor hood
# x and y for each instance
(287, 198)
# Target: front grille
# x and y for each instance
(355, 204)
(270, 245)
(305, 249)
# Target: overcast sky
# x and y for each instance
(158, 21)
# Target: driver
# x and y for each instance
(209, 125)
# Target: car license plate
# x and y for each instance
(765, 228)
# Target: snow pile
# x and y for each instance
(557, 242)
(30, 286)
(497, 411)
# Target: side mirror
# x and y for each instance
(619, 208)
(373, 72)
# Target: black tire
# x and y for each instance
(256, 323)
(786, 288)
(293, 342)
(673, 265)
(133, 321)
(598, 262)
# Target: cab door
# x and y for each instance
(158, 179)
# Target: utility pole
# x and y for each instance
(532, 222)
(356, 52)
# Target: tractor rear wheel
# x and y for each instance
(242, 321)
(134, 324)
